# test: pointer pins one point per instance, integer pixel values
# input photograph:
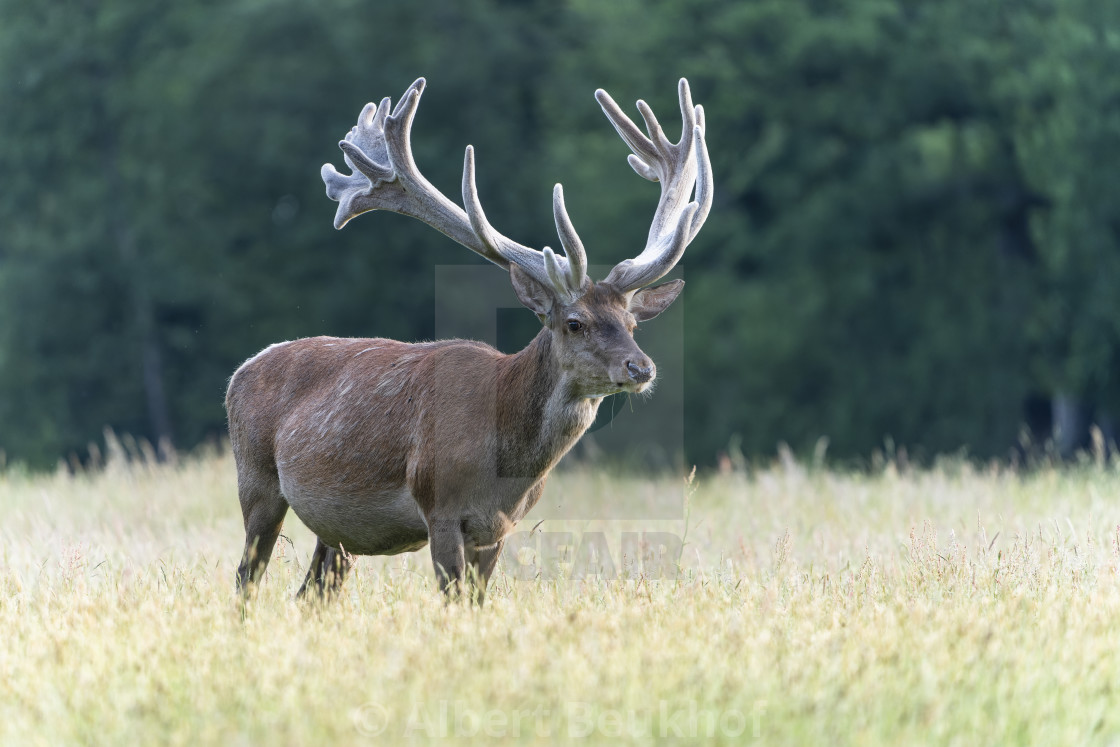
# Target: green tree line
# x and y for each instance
(913, 237)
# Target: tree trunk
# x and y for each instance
(1066, 423)
(159, 417)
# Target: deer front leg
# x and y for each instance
(448, 554)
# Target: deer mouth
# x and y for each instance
(632, 387)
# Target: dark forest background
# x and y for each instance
(915, 236)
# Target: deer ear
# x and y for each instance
(532, 294)
(649, 302)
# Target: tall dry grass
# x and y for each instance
(952, 605)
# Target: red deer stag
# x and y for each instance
(382, 446)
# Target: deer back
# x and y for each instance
(351, 415)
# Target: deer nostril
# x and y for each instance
(638, 373)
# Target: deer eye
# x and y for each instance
(575, 325)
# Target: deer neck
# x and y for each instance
(540, 413)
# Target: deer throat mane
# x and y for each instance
(543, 416)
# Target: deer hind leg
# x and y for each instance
(327, 571)
(263, 508)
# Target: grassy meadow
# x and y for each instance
(961, 604)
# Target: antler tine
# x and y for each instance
(567, 275)
(705, 185)
(378, 151)
(629, 132)
(398, 137)
(682, 168)
(475, 214)
(573, 247)
(530, 260)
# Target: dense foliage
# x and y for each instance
(913, 235)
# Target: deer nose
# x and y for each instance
(638, 373)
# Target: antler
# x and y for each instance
(385, 177)
(680, 167)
